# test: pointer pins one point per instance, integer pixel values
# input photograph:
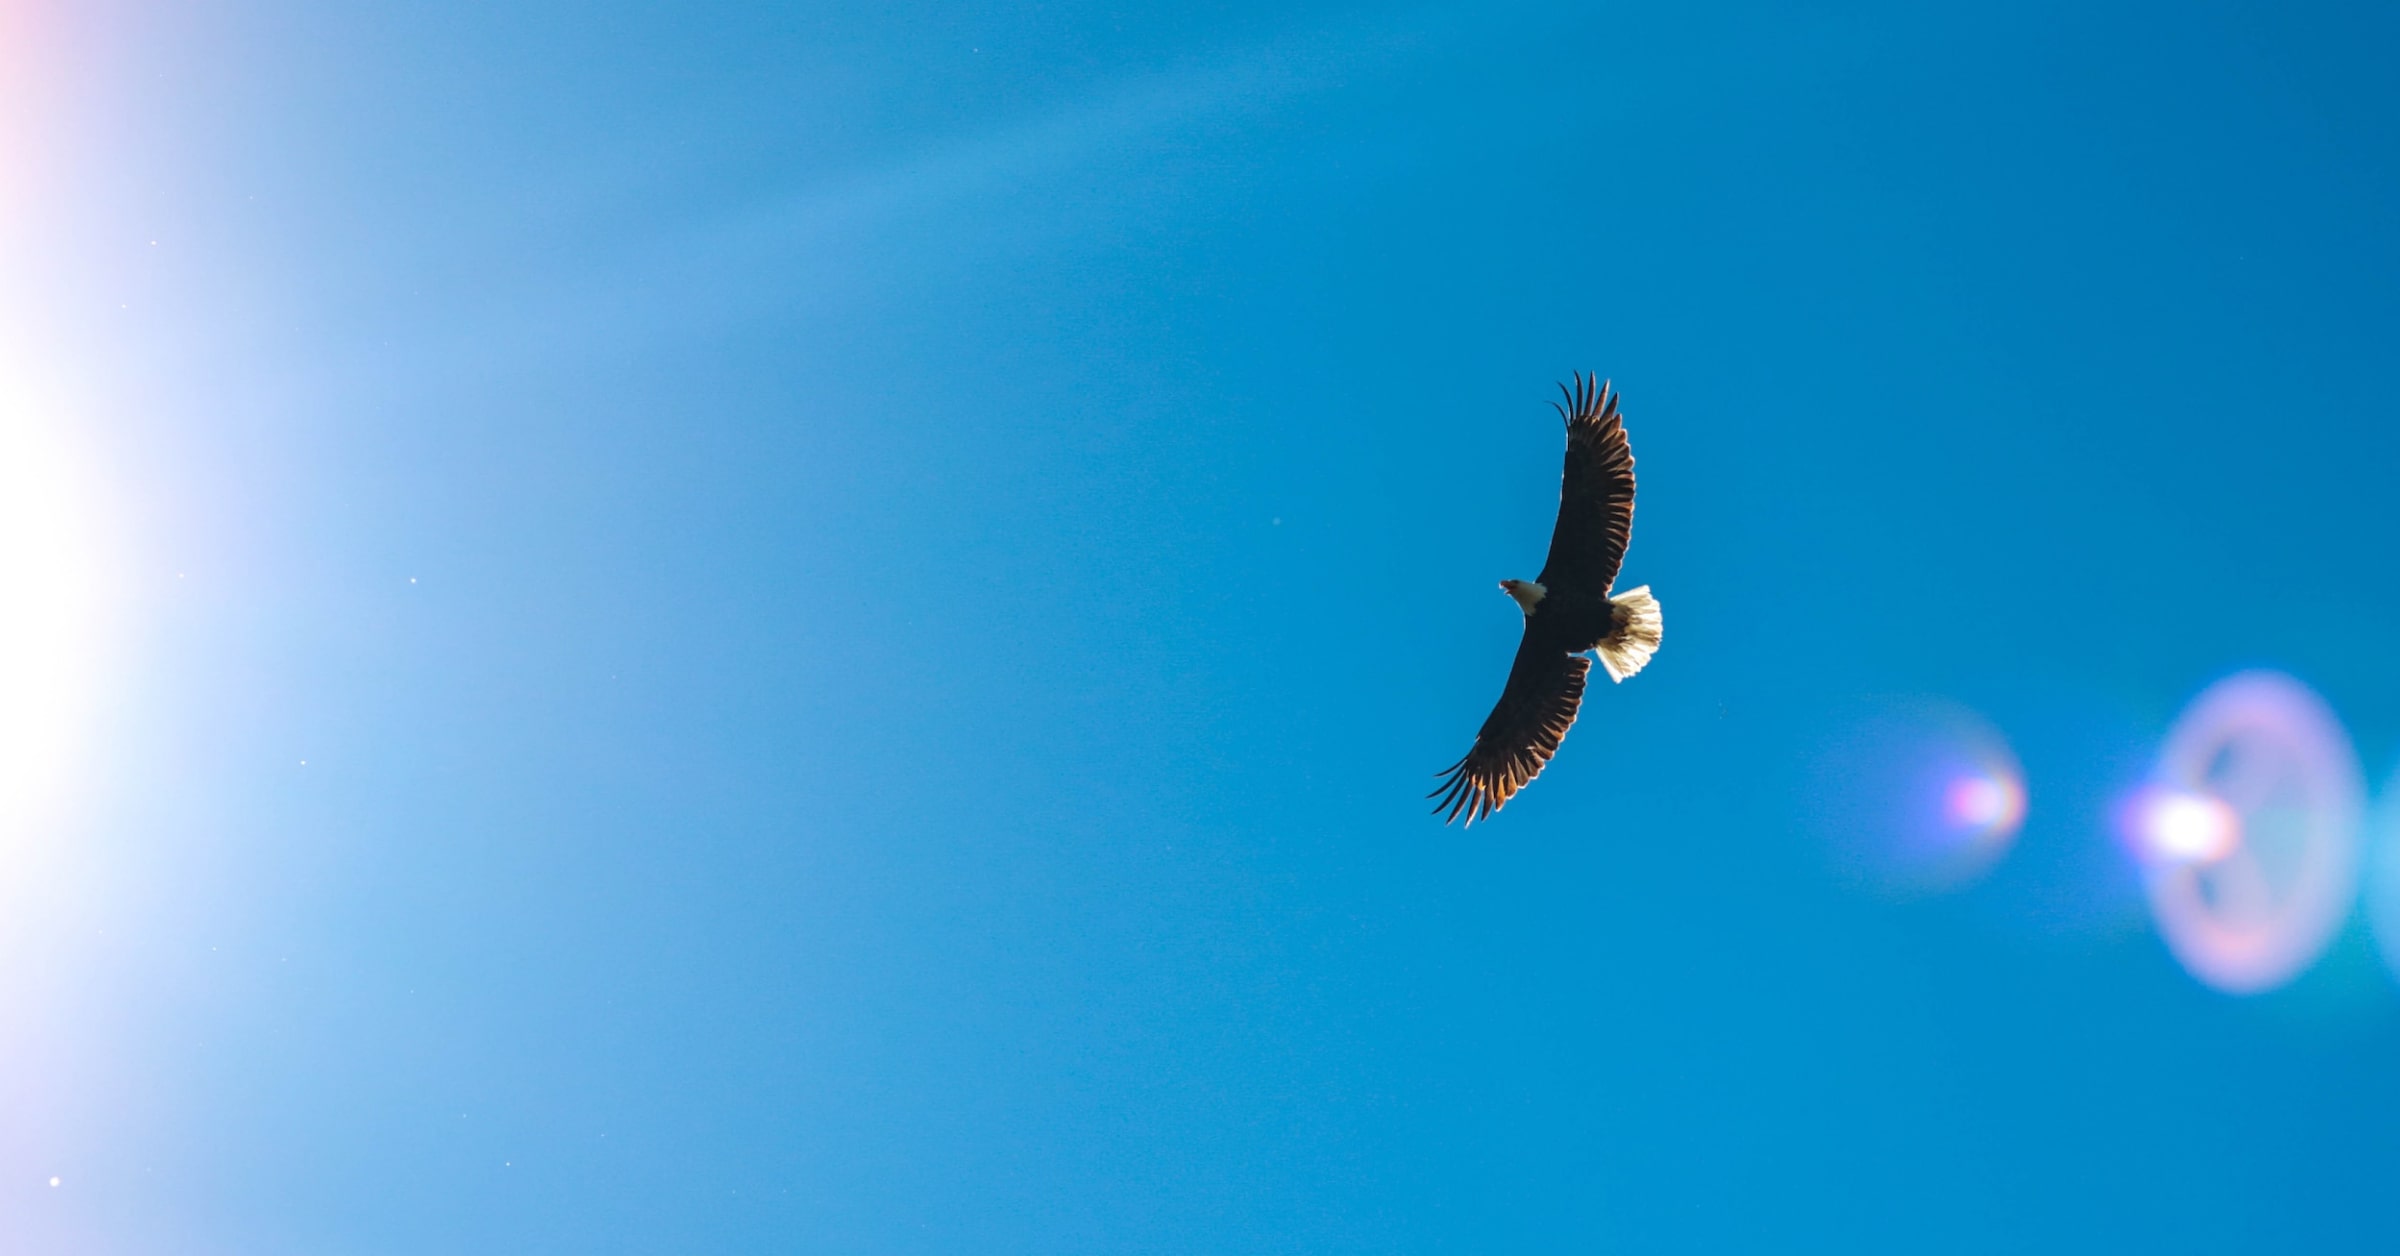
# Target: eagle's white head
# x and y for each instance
(1526, 592)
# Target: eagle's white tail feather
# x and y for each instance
(1624, 650)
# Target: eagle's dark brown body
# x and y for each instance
(1570, 621)
(1568, 610)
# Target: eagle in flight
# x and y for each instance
(1568, 611)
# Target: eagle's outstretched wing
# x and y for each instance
(1595, 495)
(1545, 685)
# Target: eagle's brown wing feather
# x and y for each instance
(1545, 685)
(1595, 495)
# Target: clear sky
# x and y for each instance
(742, 628)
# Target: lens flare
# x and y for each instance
(2169, 826)
(2247, 833)
(1918, 796)
(2383, 876)
(1986, 803)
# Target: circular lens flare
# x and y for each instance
(1918, 796)
(1985, 803)
(2248, 832)
(2383, 877)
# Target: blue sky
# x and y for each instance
(731, 628)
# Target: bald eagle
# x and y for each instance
(1568, 610)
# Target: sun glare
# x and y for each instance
(49, 616)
